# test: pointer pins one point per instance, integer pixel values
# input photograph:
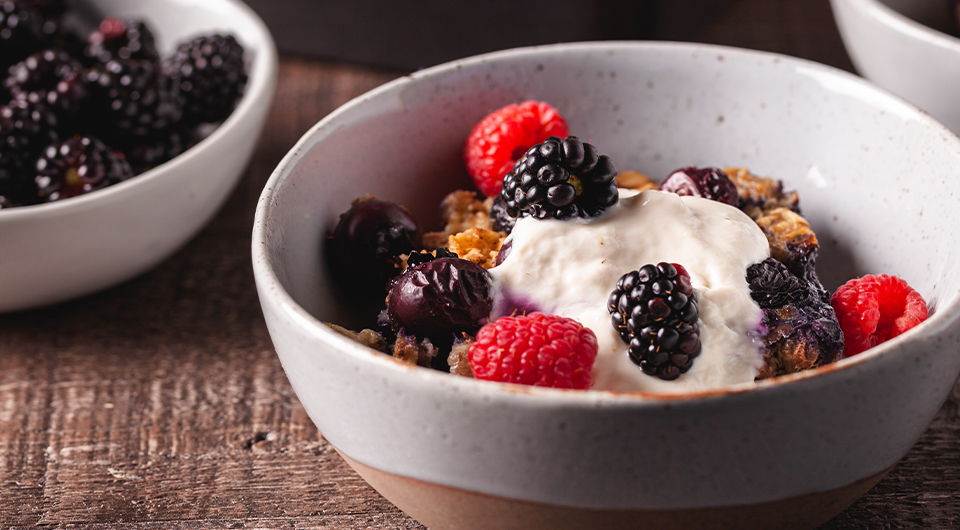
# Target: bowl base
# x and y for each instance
(442, 508)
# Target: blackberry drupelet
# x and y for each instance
(51, 76)
(26, 128)
(131, 100)
(560, 179)
(211, 75)
(500, 220)
(78, 165)
(709, 183)
(654, 309)
(121, 39)
(21, 31)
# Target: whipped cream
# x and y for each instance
(569, 268)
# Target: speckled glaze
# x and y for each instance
(878, 181)
(902, 45)
(54, 252)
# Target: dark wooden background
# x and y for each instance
(161, 404)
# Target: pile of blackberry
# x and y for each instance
(85, 113)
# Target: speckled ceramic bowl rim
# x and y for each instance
(943, 318)
(258, 86)
(905, 25)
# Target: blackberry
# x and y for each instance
(709, 183)
(121, 39)
(152, 151)
(561, 179)
(772, 285)
(26, 128)
(78, 165)
(500, 220)
(654, 309)
(21, 31)
(131, 100)
(53, 76)
(211, 75)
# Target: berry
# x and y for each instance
(211, 75)
(655, 311)
(154, 150)
(78, 165)
(363, 252)
(53, 77)
(25, 129)
(561, 179)
(500, 220)
(121, 39)
(874, 309)
(441, 297)
(416, 258)
(709, 183)
(132, 99)
(536, 349)
(772, 285)
(20, 31)
(495, 144)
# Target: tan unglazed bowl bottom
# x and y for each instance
(445, 508)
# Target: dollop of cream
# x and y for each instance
(569, 268)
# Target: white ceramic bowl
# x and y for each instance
(54, 252)
(878, 180)
(903, 46)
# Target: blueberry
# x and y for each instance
(363, 253)
(709, 183)
(445, 295)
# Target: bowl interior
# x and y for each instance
(878, 180)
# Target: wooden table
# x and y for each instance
(160, 403)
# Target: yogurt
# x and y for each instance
(569, 268)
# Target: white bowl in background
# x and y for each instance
(904, 46)
(57, 251)
(878, 181)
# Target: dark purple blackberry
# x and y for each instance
(211, 74)
(501, 220)
(152, 151)
(53, 76)
(442, 297)
(131, 100)
(26, 128)
(363, 252)
(709, 183)
(655, 311)
(121, 39)
(772, 285)
(560, 179)
(78, 165)
(800, 327)
(21, 31)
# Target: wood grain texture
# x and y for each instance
(161, 404)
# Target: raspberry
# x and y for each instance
(535, 349)
(874, 309)
(495, 144)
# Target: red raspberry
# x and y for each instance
(874, 309)
(535, 349)
(495, 144)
